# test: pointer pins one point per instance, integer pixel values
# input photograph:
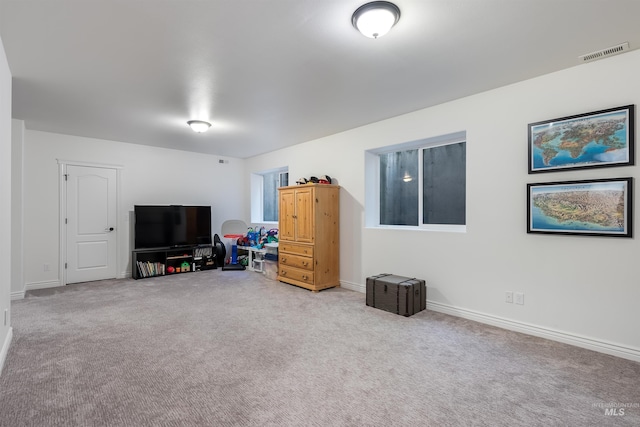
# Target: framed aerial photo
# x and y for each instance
(602, 138)
(598, 207)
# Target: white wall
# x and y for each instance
(149, 175)
(5, 206)
(582, 290)
(17, 272)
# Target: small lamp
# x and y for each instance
(376, 18)
(199, 125)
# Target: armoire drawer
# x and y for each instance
(296, 261)
(294, 248)
(295, 274)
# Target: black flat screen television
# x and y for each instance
(171, 226)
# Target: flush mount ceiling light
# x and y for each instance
(375, 19)
(199, 125)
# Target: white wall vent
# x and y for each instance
(604, 53)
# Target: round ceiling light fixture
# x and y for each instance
(375, 19)
(199, 125)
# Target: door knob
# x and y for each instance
(108, 229)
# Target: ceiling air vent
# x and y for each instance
(604, 53)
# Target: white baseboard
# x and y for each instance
(525, 328)
(353, 286)
(5, 348)
(55, 283)
(538, 331)
(15, 295)
(42, 285)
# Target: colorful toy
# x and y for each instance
(272, 235)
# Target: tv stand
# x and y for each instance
(165, 261)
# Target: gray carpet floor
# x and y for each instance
(236, 349)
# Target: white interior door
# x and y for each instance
(91, 224)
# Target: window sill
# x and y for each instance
(437, 228)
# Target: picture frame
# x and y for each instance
(604, 138)
(596, 207)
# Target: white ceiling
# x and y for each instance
(272, 73)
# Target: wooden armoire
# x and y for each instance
(309, 235)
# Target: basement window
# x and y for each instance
(418, 185)
(264, 194)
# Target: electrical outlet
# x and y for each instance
(519, 298)
(509, 297)
(46, 267)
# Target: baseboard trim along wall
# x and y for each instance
(42, 285)
(358, 287)
(17, 295)
(5, 348)
(525, 328)
(551, 334)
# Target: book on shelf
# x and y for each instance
(150, 269)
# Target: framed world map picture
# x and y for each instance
(602, 138)
(600, 207)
